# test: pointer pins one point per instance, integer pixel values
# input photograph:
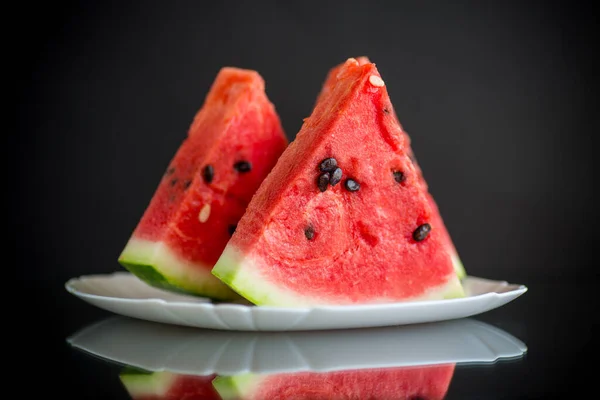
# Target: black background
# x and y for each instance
(497, 98)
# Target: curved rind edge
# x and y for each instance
(231, 387)
(142, 258)
(144, 384)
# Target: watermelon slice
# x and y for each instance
(408, 383)
(165, 385)
(234, 141)
(343, 218)
(436, 217)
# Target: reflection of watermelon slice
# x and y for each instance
(167, 386)
(429, 382)
(233, 142)
(436, 217)
(356, 229)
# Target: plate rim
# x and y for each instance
(517, 291)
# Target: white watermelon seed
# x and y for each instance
(204, 213)
(376, 81)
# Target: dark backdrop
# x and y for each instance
(495, 95)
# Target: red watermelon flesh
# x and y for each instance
(436, 217)
(298, 245)
(234, 141)
(168, 386)
(407, 383)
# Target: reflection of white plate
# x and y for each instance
(123, 293)
(185, 350)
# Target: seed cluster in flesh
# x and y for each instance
(331, 174)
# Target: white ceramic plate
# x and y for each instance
(123, 293)
(184, 350)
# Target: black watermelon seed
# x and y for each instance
(208, 173)
(309, 232)
(421, 232)
(399, 176)
(385, 110)
(336, 177)
(170, 171)
(352, 185)
(242, 166)
(173, 181)
(323, 181)
(328, 165)
(186, 184)
(231, 229)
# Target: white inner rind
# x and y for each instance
(191, 276)
(459, 268)
(155, 384)
(241, 274)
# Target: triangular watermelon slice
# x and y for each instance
(436, 217)
(343, 217)
(234, 141)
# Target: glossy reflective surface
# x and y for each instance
(157, 347)
(419, 361)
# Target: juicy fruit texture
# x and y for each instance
(428, 382)
(436, 217)
(167, 386)
(298, 245)
(234, 141)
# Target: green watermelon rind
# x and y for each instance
(140, 258)
(232, 387)
(236, 271)
(143, 383)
